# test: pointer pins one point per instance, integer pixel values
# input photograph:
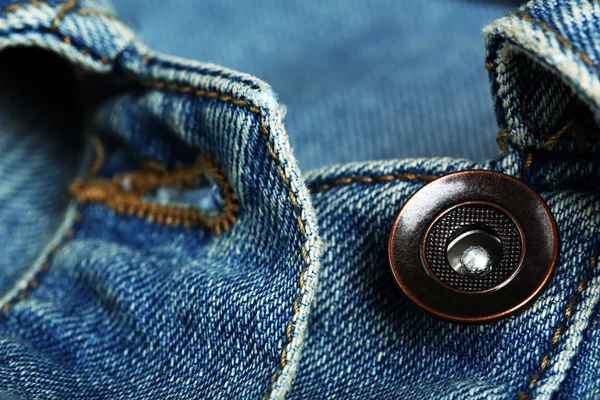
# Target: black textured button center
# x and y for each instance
(473, 217)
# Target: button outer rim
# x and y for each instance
(490, 317)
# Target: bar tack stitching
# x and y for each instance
(130, 201)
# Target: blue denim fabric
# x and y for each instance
(389, 79)
(289, 295)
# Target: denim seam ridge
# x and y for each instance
(371, 179)
(34, 282)
(560, 328)
(62, 10)
(96, 13)
(289, 331)
(256, 110)
(45, 266)
(562, 40)
(148, 59)
(505, 133)
(111, 193)
(491, 66)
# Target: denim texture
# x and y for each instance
(289, 295)
(373, 74)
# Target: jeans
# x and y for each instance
(160, 238)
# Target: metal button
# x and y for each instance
(473, 246)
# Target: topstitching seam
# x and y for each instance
(560, 328)
(292, 196)
(65, 7)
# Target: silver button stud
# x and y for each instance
(475, 261)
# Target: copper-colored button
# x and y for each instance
(473, 246)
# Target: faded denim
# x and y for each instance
(276, 284)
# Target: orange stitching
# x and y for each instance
(99, 156)
(34, 282)
(285, 179)
(14, 7)
(560, 328)
(263, 129)
(526, 164)
(490, 65)
(95, 13)
(568, 128)
(113, 193)
(63, 9)
(503, 134)
(586, 59)
(368, 179)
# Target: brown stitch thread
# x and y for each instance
(275, 157)
(99, 156)
(586, 59)
(560, 328)
(96, 13)
(529, 158)
(34, 282)
(503, 134)
(283, 358)
(568, 128)
(63, 9)
(288, 331)
(113, 194)
(14, 7)
(364, 179)
(525, 113)
(490, 66)
(526, 164)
